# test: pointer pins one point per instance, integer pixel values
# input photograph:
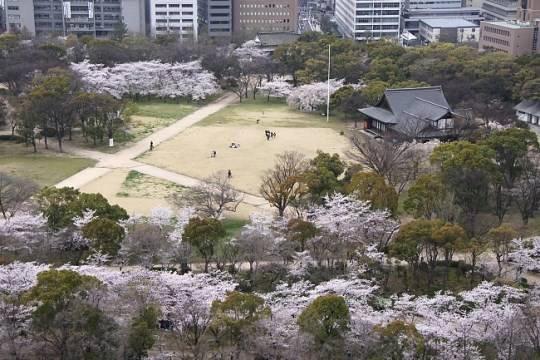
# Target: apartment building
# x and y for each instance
(369, 19)
(220, 18)
(253, 16)
(517, 37)
(174, 17)
(499, 9)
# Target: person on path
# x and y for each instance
(151, 145)
(213, 154)
(229, 174)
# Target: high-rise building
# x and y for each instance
(174, 17)
(528, 10)
(499, 9)
(80, 17)
(220, 18)
(134, 16)
(18, 15)
(369, 19)
(433, 4)
(517, 37)
(252, 16)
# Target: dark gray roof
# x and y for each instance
(276, 38)
(400, 100)
(412, 110)
(529, 107)
(380, 114)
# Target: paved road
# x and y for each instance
(124, 158)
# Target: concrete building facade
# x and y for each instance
(174, 17)
(433, 4)
(369, 19)
(515, 38)
(18, 15)
(518, 37)
(253, 16)
(528, 10)
(499, 9)
(80, 17)
(411, 18)
(220, 18)
(448, 30)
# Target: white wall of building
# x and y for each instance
(133, 15)
(174, 17)
(20, 14)
(369, 19)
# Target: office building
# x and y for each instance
(369, 19)
(134, 16)
(529, 10)
(433, 4)
(517, 37)
(174, 17)
(512, 37)
(448, 30)
(220, 18)
(18, 15)
(253, 16)
(499, 9)
(95, 18)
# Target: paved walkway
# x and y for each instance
(125, 158)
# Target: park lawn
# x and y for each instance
(233, 226)
(145, 117)
(44, 168)
(275, 113)
(139, 185)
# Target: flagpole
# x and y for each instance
(328, 89)
(64, 18)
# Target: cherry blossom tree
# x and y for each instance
(312, 97)
(149, 78)
(277, 88)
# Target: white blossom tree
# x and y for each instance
(312, 97)
(148, 78)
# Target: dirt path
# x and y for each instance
(124, 159)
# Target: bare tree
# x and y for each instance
(14, 192)
(526, 190)
(282, 185)
(211, 197)
(192, 324)
(399, 162)
(146, 244)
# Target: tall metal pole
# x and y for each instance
(328, 89)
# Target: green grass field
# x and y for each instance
(275, 112)
(145, 117)
(161, 109)
(139, 185)
(45, 169)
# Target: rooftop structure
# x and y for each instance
(415, 113)
(411, 18)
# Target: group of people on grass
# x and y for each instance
(269, 134)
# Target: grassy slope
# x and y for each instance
(43, 168)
